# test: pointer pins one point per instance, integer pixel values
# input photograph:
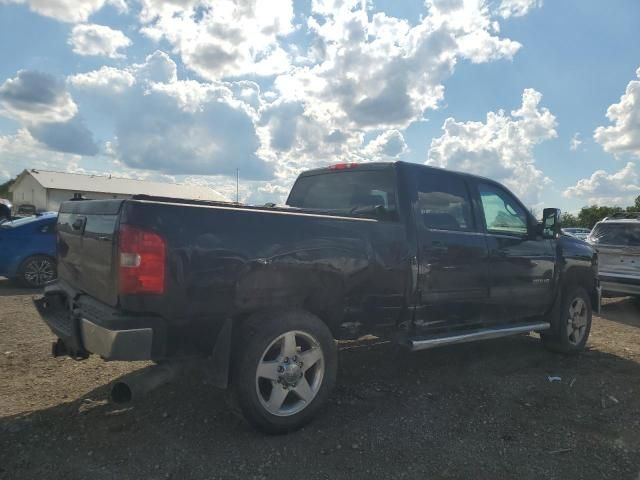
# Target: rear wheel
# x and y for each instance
(36, 271)
(285, 370)
(570, 332)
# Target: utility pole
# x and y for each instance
(237, 185)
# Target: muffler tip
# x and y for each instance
(121, 393)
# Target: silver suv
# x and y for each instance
(617, 241)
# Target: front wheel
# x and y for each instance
(284, 370)
(570, 332)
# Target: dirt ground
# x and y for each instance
(482, 410)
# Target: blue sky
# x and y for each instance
(189, 91)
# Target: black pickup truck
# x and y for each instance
(419, 255)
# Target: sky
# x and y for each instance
(542, 95)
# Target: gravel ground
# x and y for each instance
(483, 410)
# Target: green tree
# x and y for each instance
(4, 189)
(591, 215)
(569, 220)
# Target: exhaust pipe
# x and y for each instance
(135, 385)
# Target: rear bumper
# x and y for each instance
(132, 344)
(85, 326)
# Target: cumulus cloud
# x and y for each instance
(386, 146)
(343, 82)
(45, 108)
(624, 135)
(365, 72)
(178, 126)
(107, 79)
(21, 150)
(517, 8)
(36, 97)
(68, 10)
(222, 38)
(69, 137)
(157, 67)
(501, 147)
(619, 188)
(99, 40)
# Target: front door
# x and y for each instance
(521, 261)
(452, 255)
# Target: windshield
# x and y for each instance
(345, 190)
(618, 234)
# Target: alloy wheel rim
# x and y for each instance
(39, 272)
(290, 373)
(577, 321)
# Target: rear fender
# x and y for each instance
(272, 287)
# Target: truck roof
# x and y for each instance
(385, 165)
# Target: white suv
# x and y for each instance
(617, 241)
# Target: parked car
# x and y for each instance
(28, 249)
(581, 233)
(617, 241)
(420, 255)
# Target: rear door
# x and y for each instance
(452, 254)
(521, 263)
(86, 246)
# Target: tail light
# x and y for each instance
(142, 261)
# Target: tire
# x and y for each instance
(574, 313)
(36, 271)
(284, 368)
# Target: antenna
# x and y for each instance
(237, 185)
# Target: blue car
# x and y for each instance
(28, 249)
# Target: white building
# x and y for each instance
(46, 189)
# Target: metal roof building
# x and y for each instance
(47, 189)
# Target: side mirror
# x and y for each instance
(550, 222)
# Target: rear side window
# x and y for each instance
(618, 234)
(345, 190)
(502, 213)
(443, 202)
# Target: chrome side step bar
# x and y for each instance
(416, 344)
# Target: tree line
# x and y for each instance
(4, 189)
(589, 216)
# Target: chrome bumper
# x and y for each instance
(132, 344)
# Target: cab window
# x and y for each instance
(502, 212)
(346, 191)
(443, 202)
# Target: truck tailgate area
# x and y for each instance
(86, 247)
